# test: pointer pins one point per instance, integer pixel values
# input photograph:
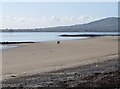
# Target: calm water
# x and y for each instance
(34, 36)
(40, 36)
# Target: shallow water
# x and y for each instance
(34, 36)
(7, 46)
(40, 36)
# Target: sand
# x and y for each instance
(103, 75)
(47, 56)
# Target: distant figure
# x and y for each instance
(58, 42)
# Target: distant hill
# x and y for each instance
(103, 25)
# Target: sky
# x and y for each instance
(52, 14)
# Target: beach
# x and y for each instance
(41, 57)
(47, 56)
(103, 74)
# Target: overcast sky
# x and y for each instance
(50, 14)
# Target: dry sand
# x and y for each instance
(103, 75)
(47, 56)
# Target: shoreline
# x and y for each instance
(62, 35)
(18, 44)
(27, 42)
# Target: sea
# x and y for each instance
(40, 37)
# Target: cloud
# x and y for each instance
(41, 22)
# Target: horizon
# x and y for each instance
(30, 15)
(59, 26)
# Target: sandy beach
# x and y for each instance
(103, 75)
(84, 63)
(47, 56)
